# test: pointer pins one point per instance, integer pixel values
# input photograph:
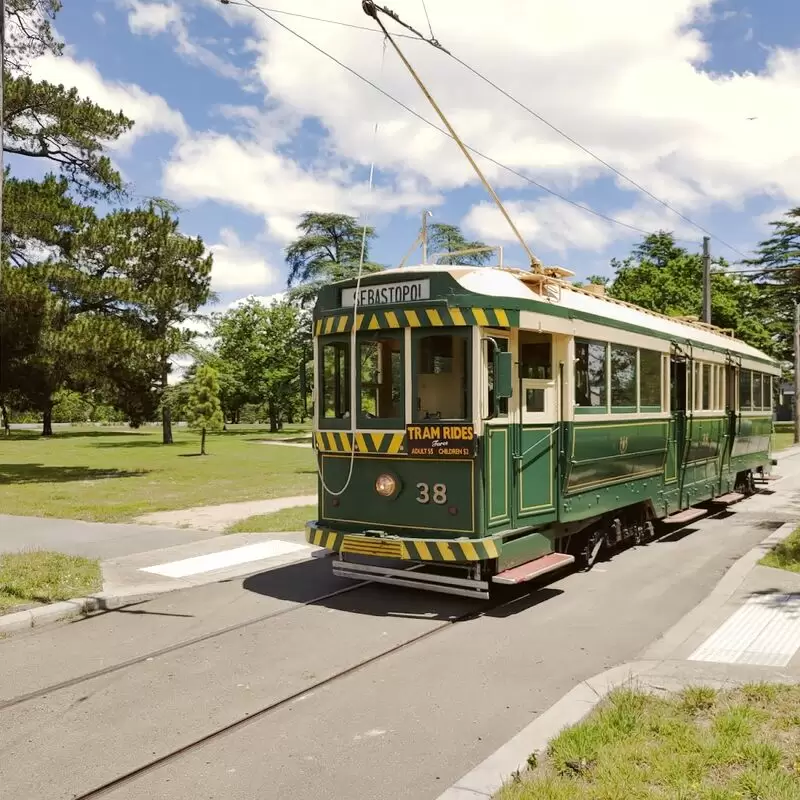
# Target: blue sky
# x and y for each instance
(245, 127)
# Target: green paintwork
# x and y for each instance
(498, 486)
(535, 475)
(607, 452)
(522, 549)
(360, 506)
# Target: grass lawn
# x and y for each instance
(780, 441)
(785, 554)
(42, 577)
(115, 474)
(701, 744)
(290, 519)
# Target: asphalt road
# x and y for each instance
(406, 725)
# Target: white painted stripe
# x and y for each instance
(225, 558)
(764, 631)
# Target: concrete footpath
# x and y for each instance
(135, 575)
(746, 630)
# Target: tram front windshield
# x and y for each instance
(439, 371)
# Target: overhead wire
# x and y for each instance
(434, 43)
(588, 209)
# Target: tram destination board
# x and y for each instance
(426, 440)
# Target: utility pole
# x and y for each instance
(796, 371)
(424, 236)
(706, 281)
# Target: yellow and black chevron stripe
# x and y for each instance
(416, 318)
(342, 442)
(404, 549)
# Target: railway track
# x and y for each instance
(185, 643)
(264, 711)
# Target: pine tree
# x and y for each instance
(204, 410)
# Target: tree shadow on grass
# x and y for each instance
(144, 443)
(42, 473)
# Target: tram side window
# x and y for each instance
(623, 376)
(650, 380)
(381, 378)
(590, 374)
(745, 390)
(535, 355)
(441, 379)
(706, 388)
(336, 380)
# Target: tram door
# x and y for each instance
(522, 438)
(535, 444)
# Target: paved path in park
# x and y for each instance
(218, 518)
(90, 539)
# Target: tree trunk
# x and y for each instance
(47, 423)
(6, 423)
(203, 442)
(273, 417)
(166, 411)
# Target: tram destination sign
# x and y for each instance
(426, 440)
(386, 294)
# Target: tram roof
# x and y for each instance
(550, 288)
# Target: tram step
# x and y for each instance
(728, 499)
(687, 515)
(539, 566)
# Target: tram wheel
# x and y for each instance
(587, 557)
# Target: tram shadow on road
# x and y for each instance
(312, 583)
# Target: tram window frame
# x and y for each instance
(745, 403)
(657, 368)
(462, 334)
(620, 393)
(388, 423)
(504, 345)
(342, 344)
(602, 408)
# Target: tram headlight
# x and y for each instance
(385, 485)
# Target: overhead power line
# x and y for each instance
(434, 43)
(588, 209)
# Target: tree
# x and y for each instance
(204, 410)
(328, 249)
(167, 278)
(781, 287)
(262, 346)
(444, 238)
(663, 277)
(39, 329)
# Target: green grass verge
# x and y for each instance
(40, 576)
(782, 440)
(289, 519)
(785, 554)
(114, 475)
(700, 744)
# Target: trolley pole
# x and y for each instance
(706, 281)
(796, 371)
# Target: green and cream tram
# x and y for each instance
(499, 424)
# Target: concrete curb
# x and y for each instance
(111, 601)
(489, 776)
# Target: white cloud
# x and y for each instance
(154, 18)
(252, 176)
(239, 266)
(150, 112)
(264, 299)
(99, 17)
(627, 82)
